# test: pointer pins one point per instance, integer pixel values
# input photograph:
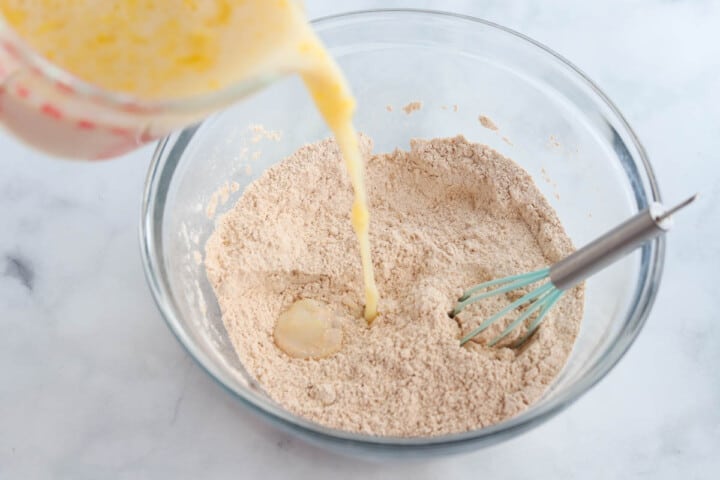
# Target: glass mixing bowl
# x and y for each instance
(552, 120)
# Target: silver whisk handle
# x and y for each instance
(618, 242)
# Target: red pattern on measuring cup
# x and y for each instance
(86, 124)
(51, 111)
(64, 88)
(22, 91)
(123, 132)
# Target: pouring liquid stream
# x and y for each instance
(140, 49)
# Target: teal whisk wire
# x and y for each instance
(541, 297)
(524, 278)
(568, 272)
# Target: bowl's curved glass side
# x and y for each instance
(553, 121)
(563, 131)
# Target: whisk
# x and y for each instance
(568, 272)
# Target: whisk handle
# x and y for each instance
(618, 242)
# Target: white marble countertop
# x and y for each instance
(93, 385)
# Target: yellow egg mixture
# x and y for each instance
(170, 49)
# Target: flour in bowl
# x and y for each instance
(445, 215)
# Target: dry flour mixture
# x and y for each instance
(445, 215)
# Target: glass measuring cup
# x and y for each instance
(50, 109)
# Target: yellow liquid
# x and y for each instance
(169, 49)
(308, 330)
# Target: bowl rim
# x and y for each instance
(652, 259)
